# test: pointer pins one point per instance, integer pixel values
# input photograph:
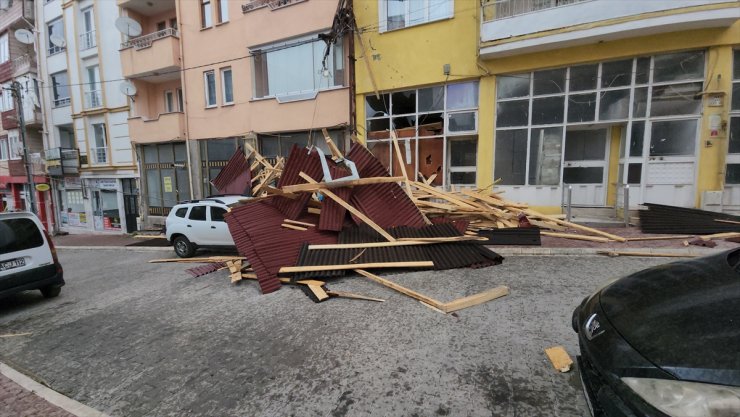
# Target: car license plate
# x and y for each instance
(13, 263)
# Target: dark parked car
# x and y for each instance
(28, 260)
(664, 341)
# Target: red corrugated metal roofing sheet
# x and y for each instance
(332, 214)
(300, 160)
(255, 228)
(235, 177)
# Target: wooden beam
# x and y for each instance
(401, 289)
(198, 260)
(318, 292)
(576, 237)
(297, 223)
(313, 210)
(338, 184)
(726, 221)
(399, 242)
(640, 239)
(351, 209)
(330, 144)
(344, 294)
(646, 254)
(559, 358)
(725, 235)
(475, 299)
(294, 227)
(318, 268)
(401, 163)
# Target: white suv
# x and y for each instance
(200, 224)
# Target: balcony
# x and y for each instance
(62, 161)
(507, 22)
(156, 55)
(87, 40)
(168, 126)
(93, 99)
(99, 155)
(147, 7)
(9, 119)
(272, 4)
(23, 65)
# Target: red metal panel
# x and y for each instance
(235, 177)
(6, 71)
(255, 228)
(9, 119)
(300, 160)
(332, 214)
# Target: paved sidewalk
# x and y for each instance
(16, 401)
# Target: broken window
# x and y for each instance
(616, 73)
(512, 86)
(679, 66)
(671, 138)
(549, 82)
(581, 107)
(512, 113)
(584, 77)
(614, 105)
(544, 156)
(548, 110)
(639, 102)
(510, 157)
(431, 159)
(642, 72)
(675, 99)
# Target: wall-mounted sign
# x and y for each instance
(104, 183)
(167, 184)
(72, 182)
(42, 187)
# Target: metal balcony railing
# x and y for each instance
(147, 40)
(61, 102)
(272, 4)
(99, 155)
(23, 61)
(93, 99)
(87, 40)
(501, 9)
(53, 50)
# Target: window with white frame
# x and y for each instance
(533, 110)
(297, 69)
(223, 10)
(93, 93)
(209, 83)
(437, 130)
(206, 19)
(7, 101)
(398, 14)
(99, 148)
(732, 173)
(87, 37)
(4, 151)
(169, 101)
(54, 28)
(227, 87)
(15, 146)
(60, 89)
(4, 48)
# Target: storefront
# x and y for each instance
(94, 204)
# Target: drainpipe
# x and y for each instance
(351, 70)
(181, 34)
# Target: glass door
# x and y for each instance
(586, 164)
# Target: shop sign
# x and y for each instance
(42, 187)
(77, 219)
(104, 183)
(167, 184)
(72, 182)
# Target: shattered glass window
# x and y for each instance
(512, 113)
(616, 73)
(584, 77)
(581, 107)
(679, 66)
(675, 99)
(510, 157)
(549, 81)
(544, 156)
(512, 86)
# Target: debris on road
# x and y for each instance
(663, 219)
(646, 254)
(559, 358)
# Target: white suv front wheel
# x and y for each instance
(183, 247)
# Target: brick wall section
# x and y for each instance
(9, 119)
(6, 71)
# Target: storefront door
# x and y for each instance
(106, 215)
(671, 163)
(585, 165)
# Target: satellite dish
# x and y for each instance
(24, 36)
(128, 26)
(127, 88)
(57, 40)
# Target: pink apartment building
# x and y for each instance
(212, 75)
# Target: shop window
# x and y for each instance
(548, 110)
(549, 82)
(732, 176)
(510, 157)
(642, 71)
(676, 99)
(377, 107)
(462, 96)
(431, 99)
(166, 173)
(637, 138)
(639, 102)
(462, 155)
(404, 102)
(583, 175)
(73, 208)
(672, 138)
(512, 86)
(512, 113)
(398, 14)
(584, 77)
(614, 105)
(734, 146)
(463, 122)
(616, 73)
(582, 107)
(634, 173)
(678, 67)
(585, 145)
(544, 156)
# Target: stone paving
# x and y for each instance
(15, 401)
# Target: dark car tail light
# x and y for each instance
(53, 251)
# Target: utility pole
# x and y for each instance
(15, 87)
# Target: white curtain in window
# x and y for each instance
(291, 70)
(4, 52)
(15, 145)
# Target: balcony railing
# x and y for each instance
(61, 102)
(53, 50)
(62, 161)
(93, 99)
(22, 62)
(99, 155)
(87, 40)
(501, 9)
(272, 4)
(146, 40)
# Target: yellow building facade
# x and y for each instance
(545, 97)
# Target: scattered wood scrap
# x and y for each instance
(559, 358)
(646, 254)
(209, 259)
(2, 336)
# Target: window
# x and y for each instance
(99, 148)
(227, 87)
(217, 214)
(206, 20)
(181, 212)
(4, 152)
(180, 104)
(4, 48)
(214, 155)
(169, 102)
(198, 213)
(732, 173)
(223, 10)
(60, 89)
(436, 129)
(87, 37)
(19, 235)
(93, 97)
(297, 70)
(209, 78)
(161, 25)
(173, 23)
(166, 173)
(398, 14)
(7, 102)
(55, 28)
(15, 146)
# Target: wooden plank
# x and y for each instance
(716, 220)
(351, 209)
(330, 144)
(297, 223)
(344, 294)
(399, 242)
(559, 358)
(316, 268)
(475, 299)
(294, 227)
(726, 235)
(318, 292)
(646, 254)
(576, 237)
(3, 336)
(198, 260)
(311, 187)
(401, 164)
(314, 210)
(401, 289)
(429, 306)
(640, 239)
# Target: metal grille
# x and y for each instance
(87, 40)
(147, 40)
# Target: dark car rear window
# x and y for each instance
(181, 212)
(19, 234)
(198, 213)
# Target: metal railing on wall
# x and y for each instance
(147, 40)
(501, 9)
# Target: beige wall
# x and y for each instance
(149, 102)
(229, 43)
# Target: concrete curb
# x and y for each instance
(49, 395)
(129, 248)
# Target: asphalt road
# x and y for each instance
(132, 338)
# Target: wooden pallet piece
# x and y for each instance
(319, 268)
(345, 294)
(338, 184)
(476, 299)
(577, 237)
(559, 358)
(646, 254)
(294, 227)
(297, 223)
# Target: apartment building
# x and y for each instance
(88, 152)
(546, 94)
(213, 75)
(18, 66)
